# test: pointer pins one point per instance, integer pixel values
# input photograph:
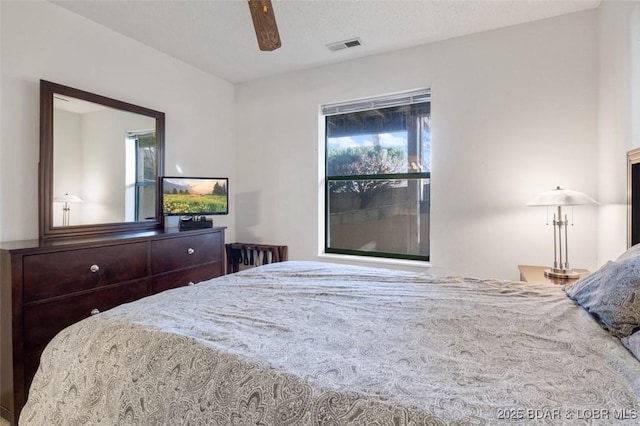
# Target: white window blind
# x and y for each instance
(403, 98)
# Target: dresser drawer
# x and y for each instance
(44, 320)
(186, 277)
(53, 274)
(182, 252)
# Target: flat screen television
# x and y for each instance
(195, 196)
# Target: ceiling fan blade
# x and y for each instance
(264, 22)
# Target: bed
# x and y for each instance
(306, 343)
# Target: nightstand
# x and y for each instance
(535, 274)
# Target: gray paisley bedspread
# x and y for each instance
(302, 343)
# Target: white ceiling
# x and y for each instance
(217, 35)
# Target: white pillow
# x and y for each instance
(612, 294)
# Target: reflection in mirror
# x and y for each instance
(119, 146)
(99, 164)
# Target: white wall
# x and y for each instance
(67, 162)
(40, 40)
(619, 118)
(514, 113)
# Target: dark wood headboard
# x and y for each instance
(633, 197)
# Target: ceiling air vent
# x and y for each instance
(334, 47)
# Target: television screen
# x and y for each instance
(195, 196)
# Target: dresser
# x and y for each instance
(47, 286)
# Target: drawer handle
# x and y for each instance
(192, 283)
(94, 268)
(190, 251)
(95, 311)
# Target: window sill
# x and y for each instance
(409, 265)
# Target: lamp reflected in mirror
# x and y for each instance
(66, 201)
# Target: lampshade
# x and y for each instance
(561, 197)
(66, 198)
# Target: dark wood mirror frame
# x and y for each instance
(45, 178)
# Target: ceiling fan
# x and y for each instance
(264, 22)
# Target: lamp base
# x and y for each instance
(566, 274)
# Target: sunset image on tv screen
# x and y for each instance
(195, 196)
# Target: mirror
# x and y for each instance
(99, 164)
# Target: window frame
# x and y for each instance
(406, 98)
(141, 182)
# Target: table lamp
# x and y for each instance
(558, 198)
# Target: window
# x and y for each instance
(377, 176)
(140, 176)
